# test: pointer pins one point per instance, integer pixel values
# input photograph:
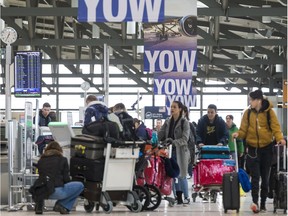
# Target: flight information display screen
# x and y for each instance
(28, 74)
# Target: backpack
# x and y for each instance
(149, 133)
(191, 141)
(268, 118)
(100, 112)
(128, 127)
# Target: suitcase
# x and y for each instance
(92, 190)
(87, 146)
(209, 172)
(88, 169)
(230, 187)
(231, 192)
(280, 192)
(214, 152)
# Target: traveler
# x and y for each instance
(158, 124)
(172, 131)
(211, 129)
(232, 128)
(191, 142)
(44, 117)
(95, 110)
(52, 164)
(140, 129)
(259, 132)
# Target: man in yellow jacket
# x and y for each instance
(259, 132)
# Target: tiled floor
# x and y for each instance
(198, 208)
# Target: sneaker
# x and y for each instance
(186, 200)
(254, 208)
(263, 208)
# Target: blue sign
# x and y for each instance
(120, 10)
(154, 112)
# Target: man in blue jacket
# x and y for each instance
(211, 129)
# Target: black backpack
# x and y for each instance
(126, 120)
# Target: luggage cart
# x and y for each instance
(117, 185)
(208, 174)
(154, 182)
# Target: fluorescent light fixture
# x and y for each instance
(279, 68)
(131, 27)
(140, 49)
(266, 19)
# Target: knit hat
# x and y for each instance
(257, 94)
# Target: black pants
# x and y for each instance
(259, 163)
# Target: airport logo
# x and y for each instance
(120, 10)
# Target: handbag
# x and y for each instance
(171, 167)
(244, 180)
(42, 188)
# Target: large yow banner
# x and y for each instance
(170, 40)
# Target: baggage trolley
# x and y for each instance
(117, 185)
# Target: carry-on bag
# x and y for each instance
(214, 152)
(88, 169)
(102, 129)
(280, 192)
(88, 146)
(230, 187)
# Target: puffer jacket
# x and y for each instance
(256, 131)
(54, 165)
(180, 142)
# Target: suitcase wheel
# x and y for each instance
(89, 206)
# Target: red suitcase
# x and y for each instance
(209, 172)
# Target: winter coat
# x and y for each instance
(239, 142)
(222, 133)
(54, 165)
(257, 133)
(95, 111)
(180, 142)
(141, 132)
(43, 121)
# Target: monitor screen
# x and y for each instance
(61, 133)
(28, 74)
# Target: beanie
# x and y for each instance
(257, 94)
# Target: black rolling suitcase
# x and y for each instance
(87, 146)
(88, 169)
(230, 188)
(280, 191)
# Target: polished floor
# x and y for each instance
(197, 208)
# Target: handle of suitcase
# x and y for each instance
(236, 155)
(278, 157)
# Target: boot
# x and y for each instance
(39, 207)
(179, 197)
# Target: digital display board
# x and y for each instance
(28, 74)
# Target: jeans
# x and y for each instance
(259, 163)
(67, 194)
(182, 185)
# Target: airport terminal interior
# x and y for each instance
(240, 46)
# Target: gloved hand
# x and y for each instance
(219, 144)
(168, 141)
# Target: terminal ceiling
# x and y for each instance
(235, 48)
